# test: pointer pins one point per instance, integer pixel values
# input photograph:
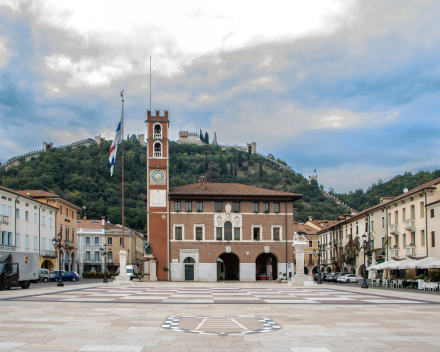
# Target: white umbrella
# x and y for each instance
(398, 264)
(433, 265)
(419, 263)
(381, 265)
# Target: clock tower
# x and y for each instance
(157, 189)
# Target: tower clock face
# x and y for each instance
(157, 176)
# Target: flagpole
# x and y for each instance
(123, 219)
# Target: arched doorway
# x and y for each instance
(266, 266)
(328, 270)
(315, 270)
(189, 262)
(322, 270)
(345, 269)
(306, 270)
(352, 270)
(228, 267)
(337, 269)
(361, 270)
(66, 261)
(47, 264)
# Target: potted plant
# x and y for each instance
(256, 238)
(198, 238)
(266, 211)
(284, 280)
(218, 239)
(199, 210)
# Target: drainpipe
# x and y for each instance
(15, 222)
(426, 222)
(387, 239)
(39, 231)
(168, 241)
(287, 277)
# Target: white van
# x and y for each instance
(130, 270)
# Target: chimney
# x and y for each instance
(28, 193)
(103, 220)
(202, 182)
(310, 218)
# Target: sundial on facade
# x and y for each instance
(221, 325)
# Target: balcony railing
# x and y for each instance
(157, 135)
(4, 219)
(92, 261)
(69, 244)
(310, 262)
(6, 247)
(410, 250)
(49, 253)
(410, 225)
(394, 253)
(112, 261)
(394, 229)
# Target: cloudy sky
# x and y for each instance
(350, 88)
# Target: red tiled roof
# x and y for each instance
(89, 224)
(306, 229)
(25, 196)
(38, 194)
(329, 223)
(228, 189)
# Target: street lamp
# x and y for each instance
(319, 262)
(57, 243)
(104, 253)
(364, 246)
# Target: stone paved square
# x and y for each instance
(99, 317)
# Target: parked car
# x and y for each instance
(315, 277)
(65, 276)
(77, 274)
(348, 278)
(43, 275)
(336, 275)
(329, 276)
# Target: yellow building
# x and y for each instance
(65, 224)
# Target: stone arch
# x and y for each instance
(322, 270)
(157, 149)
(336, 268)
(352, 270)
(47, 264)
(361, 270)
(328, 270)
(228, 267)
(345, 269)
(189, 260)
(157, 130)
(306, 270)
(315, 269)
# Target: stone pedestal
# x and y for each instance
(150, 268)
(299, 244)
(122, 278)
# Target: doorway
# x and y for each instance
(189, 268)
(266, 267)
(228, 267)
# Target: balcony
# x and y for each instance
(310, 262)
(6, 247)
(394, 229)
(69, 244)
(157, 135)
(49, 253)
(410, 251)
(112, 261)
(92, 261)
(4, 219)
(394, 253)
(410, 225)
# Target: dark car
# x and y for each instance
(66, 276)
(328, 276)
(315, 277)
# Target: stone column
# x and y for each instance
(299, 248)
(122, 278)
(299, 244)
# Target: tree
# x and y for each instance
(235, 172)
(261, 170)
(201, 136)
(206, 138)
(222, 165)
(231, 170)
(240, 160)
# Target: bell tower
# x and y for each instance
(157, 189)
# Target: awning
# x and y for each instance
(419, 263)
(433, 265)
(381, 265)
(397, 264)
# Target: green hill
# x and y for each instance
(81, 175)
(361, 200)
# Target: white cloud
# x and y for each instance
(5, 54)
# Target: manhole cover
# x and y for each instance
(223, 326)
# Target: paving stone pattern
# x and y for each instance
(225, 295)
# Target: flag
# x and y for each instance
(114, 148)
(314, 171)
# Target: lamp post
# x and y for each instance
(104, 253)
(364, 246)
(57, 243)
(319, 262)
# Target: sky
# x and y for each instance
(349, 88)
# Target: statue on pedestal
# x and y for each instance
(147, 247)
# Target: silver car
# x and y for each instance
(348, 278)
(43, 275)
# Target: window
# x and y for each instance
(4, 210)
(188, 206)
(4, 237)
(199, 206)
(43, 244)
(276, 207)
(50, 222)
(412, 211)
(35, 218)
(26, 216)
(404, 240)
(218, 233)
(157, 131)
(110, 256)
(403, 214)
(9, 211)
(228, 231)
(35, 242)
(73, 235)
(265, 207)
(67, 212)
(236, 207)
(96, 241)
(237, 234)
(255, 207)
(432, 213)
(276, 233)
(176, 206)
(68, 233)
(432, 238)
(178, 233)
(422, 209)
(199, 233)
(87, 240)
(218, 206)
(43, 221)
(413, 239)
(17, 240)
(357, 230)
(17, 213)
(372, 225)
(310, 243)
(87, 259)
(383, 222)
(96, 257)
(396, 217)
(120, 241)
(422, 238)
(256, 234)
(157, 150)
(109, 241)
(61, 209)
